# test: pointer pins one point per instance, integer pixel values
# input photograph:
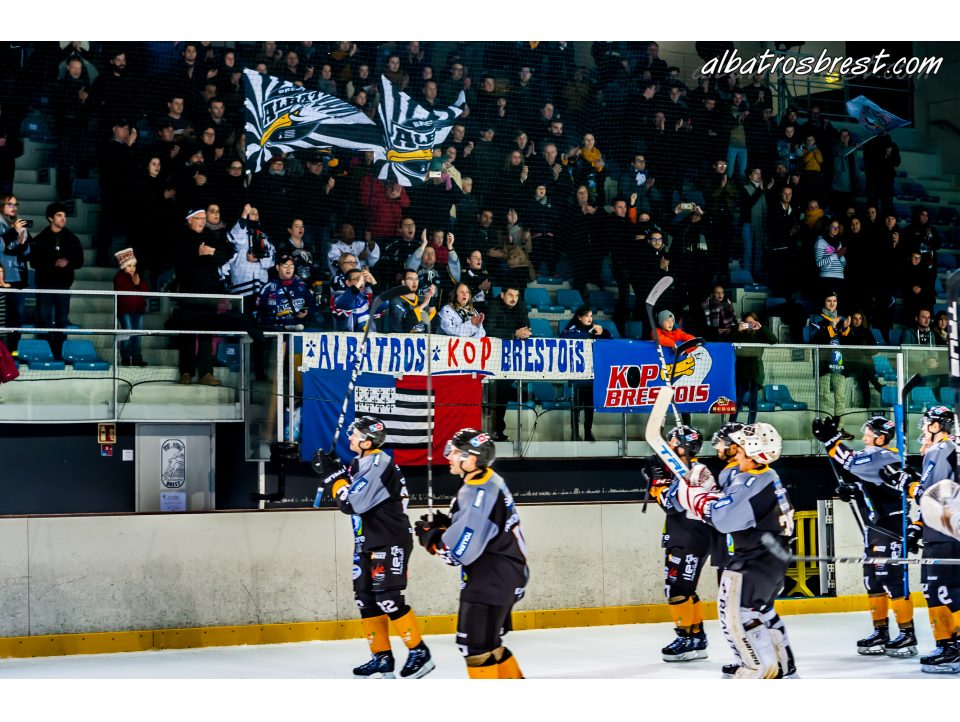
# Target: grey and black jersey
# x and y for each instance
(879, 504)
(939, 462)
(755, 502)
(377, 498)
(485, 538)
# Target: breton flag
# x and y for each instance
(401, 404)
(282, 117)
(872, 117)
(410, 134)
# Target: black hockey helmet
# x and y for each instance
(370, 428)
(475, 442)
(941, 414)
(880, 425)
(690, 440)
(723, 433)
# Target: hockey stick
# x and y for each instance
(662, 285)
(387, 295)
(900, 416)
(773, 546)
(654, 436)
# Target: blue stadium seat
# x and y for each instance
(36, 354)
(888, 395)
(539, 299)
(87, 190)
(228, 354)
(883, 367)
(896, 333)
(83, 357)
(549, 280)
(634, 329)
(779, 395)
(550, 396)
(565, 269)
(569, 298)
(602, 301)
(542, 328)
(741, 277)
(949, 397)
(921, 398)
(609, 325)
(878, 336)
(512, 405)
(946, 261)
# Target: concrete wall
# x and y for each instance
(114, 573)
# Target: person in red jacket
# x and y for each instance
(667, 332)
(130, 309)
(385, 205)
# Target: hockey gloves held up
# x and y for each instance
(696, 489)
(328, 467)
(429, 530)
(827, 431)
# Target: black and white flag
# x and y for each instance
(410, 134)
(281, 116)
(403, 412)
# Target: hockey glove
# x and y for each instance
(914, 534)
(428, 533)
(825, 430)
(693, 491)
(846, 492)
(328, 467)
(901, 478)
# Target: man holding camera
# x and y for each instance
(252, 258)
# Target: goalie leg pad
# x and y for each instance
(745, 631)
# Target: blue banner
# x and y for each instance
(628, 376)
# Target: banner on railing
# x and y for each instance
(406, 354)
(628, 377)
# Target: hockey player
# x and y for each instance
(755, 503)
(374, 492)
(726, 450)
(881, 509)
(687, 543)
(940, 583)
(482, 535)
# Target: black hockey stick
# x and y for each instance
(773, 545)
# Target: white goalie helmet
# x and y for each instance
(760, 442)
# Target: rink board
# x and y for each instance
(121, 583)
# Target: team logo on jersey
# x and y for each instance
(356, 572)
(479, 500)
(358, 486)
(377, 573)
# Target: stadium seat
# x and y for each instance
(949, 397)
(946, 261)
(549, 280)
(542, 328)
(888, 395)
(36, 354)
(741, 277)
(565, 269)
(883, 367)
(550, 396)
(513, 405)
(609, 325)
(539, 299)
(602, 301)
(634, 329)
(569, 298)
(779, 395)
(228, 354)
(87, 190)
(83, 357)
(896, 333)
(878, 336)
(921, 398)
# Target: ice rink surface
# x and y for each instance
(824, 645)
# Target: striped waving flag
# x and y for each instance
(281, 116)
(410, 134)
(401, 404)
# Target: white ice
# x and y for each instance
(824, 644)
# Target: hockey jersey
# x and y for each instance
(375, 495)
(878, 503)
(755, 502)
(280, 302)
(485, 539)
(939, 462)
